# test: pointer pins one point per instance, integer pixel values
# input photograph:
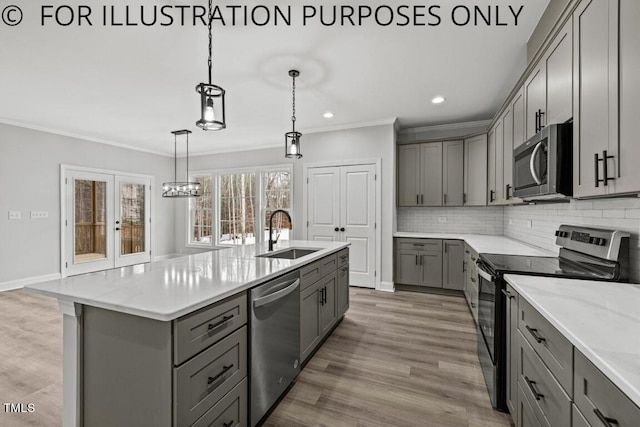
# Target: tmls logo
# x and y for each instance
(19, 407)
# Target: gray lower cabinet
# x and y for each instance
(471, 280)
(512, 348)
(598, 399)
(145, 372)
(418, 262)
(525, 417)
(323, 302)
(453, 268)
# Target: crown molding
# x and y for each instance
(347, 126)
(446, 127)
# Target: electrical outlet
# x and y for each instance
(39, 214)
(510, 222)
(15, 215)
(442, 219)
(529, 223)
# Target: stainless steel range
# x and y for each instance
(585, 253)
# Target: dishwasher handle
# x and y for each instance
(269, 298)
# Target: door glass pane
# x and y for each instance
(237, 202)
(132, 199)
(90, 215)
(277, 188)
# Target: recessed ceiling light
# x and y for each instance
(328, 115)
(438, 100)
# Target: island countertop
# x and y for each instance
(168, 289)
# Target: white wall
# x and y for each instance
(331, 146)
(30, 179)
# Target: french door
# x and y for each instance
(341, 207)
(106, 222)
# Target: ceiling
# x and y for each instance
(133, 85)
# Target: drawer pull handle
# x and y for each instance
(609, 422)
(473, 304)
(344, 256)
(473, 280)
(507, 293)
(534, 334)
(229, 424)
(531, 384)
(225, 369)
(224, 320)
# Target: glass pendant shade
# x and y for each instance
(211, 107)
(181, 188)
(292, 145)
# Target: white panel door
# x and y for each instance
(132, 234)
(88, 227)
(323, 204)
(357, 221)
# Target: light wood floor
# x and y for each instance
(403, 359)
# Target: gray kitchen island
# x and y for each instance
(168, 343)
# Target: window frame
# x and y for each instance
(259, 209)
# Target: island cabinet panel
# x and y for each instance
(598, 398)
(127, 363)
(202, 381)
(197, 331)
(323, 303)
(525, 416)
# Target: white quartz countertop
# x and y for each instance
(166, 290)
(601, 319)
(483, 243)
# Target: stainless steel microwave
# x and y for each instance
(543, 166)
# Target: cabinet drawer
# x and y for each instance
(205, 379)
(230, 411)
(197, 331)
(578, 418)
(525, 414)
(595, 394)
(343, 257)
(329, 264)
(552, 347)
(548, 399)
(426, 245)
(310, 274)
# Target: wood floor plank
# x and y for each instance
(404, 359)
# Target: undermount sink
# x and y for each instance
(293, 253)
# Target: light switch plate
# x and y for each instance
(15, 215)
(39, 214)
(442, 219)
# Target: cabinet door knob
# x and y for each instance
(342, 229)
(336, 229)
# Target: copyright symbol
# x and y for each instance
(12, 15)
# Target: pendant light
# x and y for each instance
(211, 96)
(180, 189)
(292, 139)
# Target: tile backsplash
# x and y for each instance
(480, 220)
(536, 224)
(533, 224)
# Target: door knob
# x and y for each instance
(336, 229)
(117, 222)
(117, 228)
(342, 229)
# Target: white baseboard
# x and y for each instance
(387, 287)
(21, 283)
(164, 257)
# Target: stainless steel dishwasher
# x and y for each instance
(275, 341)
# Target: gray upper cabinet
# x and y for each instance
(559, 65)
(628, 173)
(475, 171)
(431, 174)
(535, 100)
(491, 165)
(409, 175)
(595, 91)
(499, 197)
(452, 267)
(453, 173)
(517, 106)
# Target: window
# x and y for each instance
(237, 209)
(236, 205)
(201, 213)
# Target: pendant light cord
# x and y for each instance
(210, 62)
(293, 117)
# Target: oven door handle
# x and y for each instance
(532, 163)
(484, 274)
